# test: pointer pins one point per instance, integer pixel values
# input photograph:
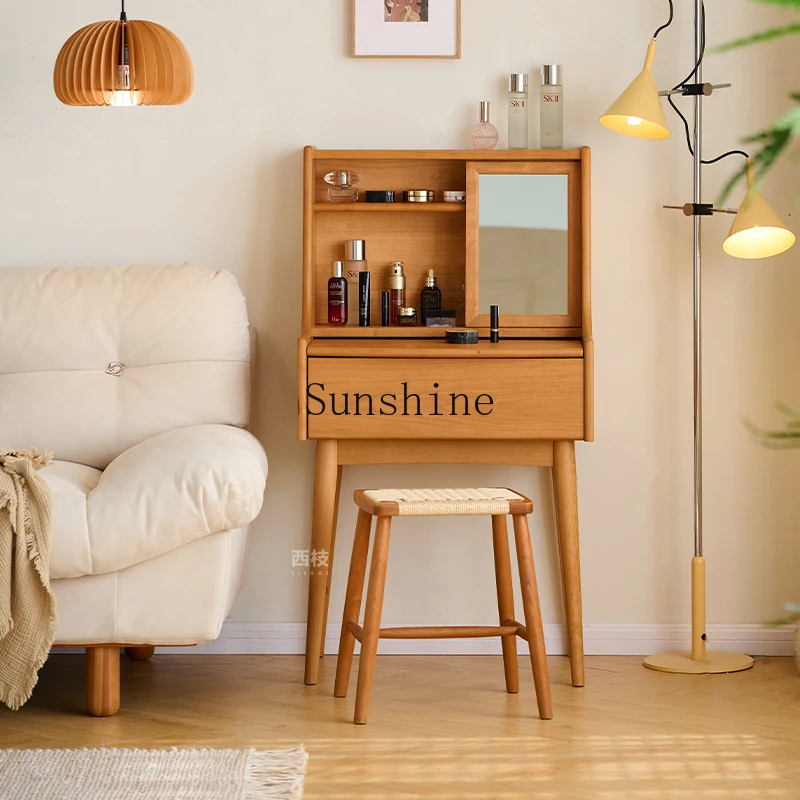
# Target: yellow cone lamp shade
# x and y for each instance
(757, 231)
(123, 63)
(637, 111)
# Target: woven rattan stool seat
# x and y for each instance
(442, 502)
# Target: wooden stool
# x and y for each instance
(387, 503)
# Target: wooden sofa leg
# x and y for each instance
(102, 681)
(144, 653)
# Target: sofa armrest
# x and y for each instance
(173, 489)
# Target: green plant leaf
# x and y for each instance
(790, 411)
(785, 3)
(774, 141)
(756, 38)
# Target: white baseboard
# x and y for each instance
(633, 639)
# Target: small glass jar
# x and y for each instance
(407, 317)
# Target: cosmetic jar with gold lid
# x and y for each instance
(419, 196)
(407, 317)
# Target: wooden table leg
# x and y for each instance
(330, 561)
(565, 488)
(325, 477)
(505, 600)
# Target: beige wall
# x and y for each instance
(218, 181)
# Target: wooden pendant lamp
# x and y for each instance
(123, 63)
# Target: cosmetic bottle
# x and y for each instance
(484, 135)
(343, 186)
(518, 112)
(337, 296)
(354, 263)
(431, 295)
(363, 299)
(494, 322)
(551, 108)
(397, 291)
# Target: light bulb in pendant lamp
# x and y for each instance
(637, 111)
(757, 231)
(123, 63)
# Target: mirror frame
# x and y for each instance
(573, 317)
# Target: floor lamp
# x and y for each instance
(757, 232)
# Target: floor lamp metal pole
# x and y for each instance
(698, 562)
(698, 660)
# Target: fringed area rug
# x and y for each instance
(152, 774)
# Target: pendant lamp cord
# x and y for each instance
(123, 17)
(693, 76)
(668, 22)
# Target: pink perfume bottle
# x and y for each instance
(484, 135)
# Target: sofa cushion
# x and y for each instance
(157, 496)
(96, 360)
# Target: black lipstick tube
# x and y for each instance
(494, 324)
(363, 299)
(385, 309)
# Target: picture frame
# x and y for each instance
(406, 29)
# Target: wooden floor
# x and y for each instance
(443, 727)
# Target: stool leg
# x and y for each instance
(372, 618)
(533, 615)
(505, 600)
(352, 602)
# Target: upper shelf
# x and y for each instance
(447, 155)
(440, 208)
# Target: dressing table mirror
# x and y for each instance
(521, 241)
(524, 244)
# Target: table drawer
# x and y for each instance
(445, 398)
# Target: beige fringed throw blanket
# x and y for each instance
(27, 606)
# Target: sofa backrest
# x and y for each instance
(95, 360)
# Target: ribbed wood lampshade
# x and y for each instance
(123, 62)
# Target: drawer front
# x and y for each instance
(403, 398)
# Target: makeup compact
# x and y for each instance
(379, 196)
(461, 336)
(419, 196)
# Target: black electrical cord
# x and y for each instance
(725, 155)
(668, 22)
(693, 76)
(123, 16)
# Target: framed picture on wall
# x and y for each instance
(407, 28)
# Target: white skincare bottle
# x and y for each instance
(551, 108)
(518, 112)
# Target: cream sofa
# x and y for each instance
(138, 380)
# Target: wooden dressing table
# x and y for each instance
(521, 240)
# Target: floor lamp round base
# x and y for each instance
(714, 663)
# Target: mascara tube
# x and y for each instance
(363, 299)
(385, 309)
(494, 330)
